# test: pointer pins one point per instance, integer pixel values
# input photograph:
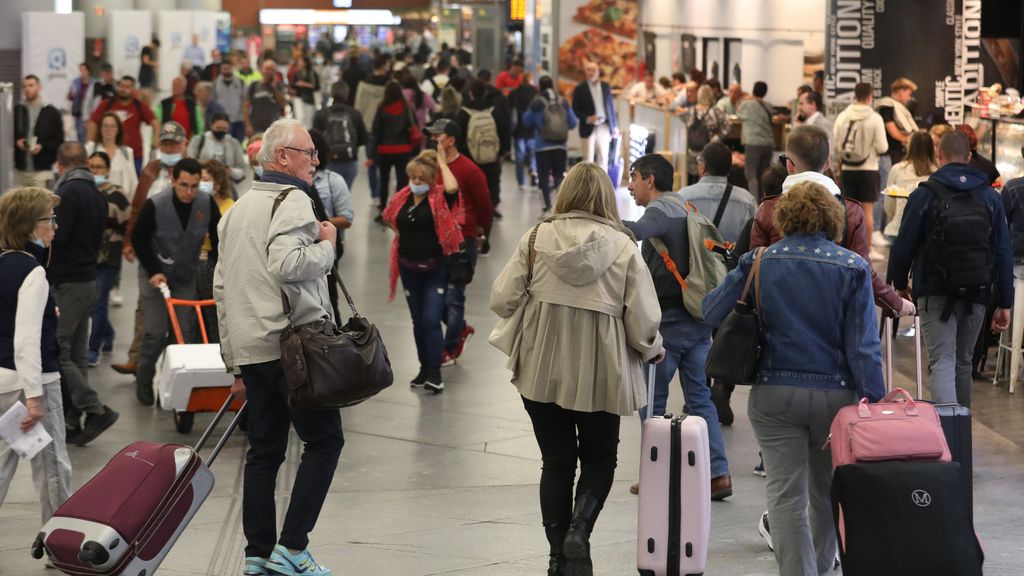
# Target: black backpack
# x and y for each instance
(697, 134)
(961, 246)
(341, 135)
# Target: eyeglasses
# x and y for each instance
(312, 153)
(783, 159)
(52, 219)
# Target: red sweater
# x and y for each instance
(474, 195)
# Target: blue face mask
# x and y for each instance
(419, 189)
(100, 180)
(38, 242)
(170, 159)
(258, 170)
(206, 187)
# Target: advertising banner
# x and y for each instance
(52, 47)
(224, 32)
(175, 33)
(129, 31)
(604, 31)
(869, 41)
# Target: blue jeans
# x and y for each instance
(425, 295)
(687, 343)
(102, 331)
(80, 128)
(373, 174)
(455, 317)
(348, 171)
(524, 153)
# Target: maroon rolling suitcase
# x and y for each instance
(128, 517)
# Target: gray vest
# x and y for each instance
(178, 249)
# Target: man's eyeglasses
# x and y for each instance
(312, 153)
(52, 219)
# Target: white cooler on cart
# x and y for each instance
(191, 378)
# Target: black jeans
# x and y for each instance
(565, 436)
(550, 166)
(385, 162)
(492, 172)
(269, 419)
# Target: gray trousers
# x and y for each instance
(757, 158)
(75, 301)
(51, 468)
(950, 347)
(157, 331)
(791, 425)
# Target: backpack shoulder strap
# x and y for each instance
(662, 250)
(722, 205)
(202, 142)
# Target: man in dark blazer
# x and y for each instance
(598, 124)
(38, 132)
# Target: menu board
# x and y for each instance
(603, 31)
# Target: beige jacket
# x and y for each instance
(590, 320)
(258, 259)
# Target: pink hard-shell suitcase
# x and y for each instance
(674, 520)
(127, 518)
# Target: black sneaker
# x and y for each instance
(420, 379)
(96, 424)
(497, 215)
(434, 382)
(485, 250)
(144, 394)
(72, 432)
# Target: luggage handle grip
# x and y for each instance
(650, 389)
(889, 336)
(213, 425)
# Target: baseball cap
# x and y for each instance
(445, 126)
(172, 132)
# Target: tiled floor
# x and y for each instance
(447, 484)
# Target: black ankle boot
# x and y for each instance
(556, 539)
(720, 396)
(577, 541)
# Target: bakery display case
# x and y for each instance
(1000, 139)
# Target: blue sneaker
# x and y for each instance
(92, 358)
(255, 566)
(759, 469)
(302, 564)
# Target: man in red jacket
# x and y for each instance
(476, 213)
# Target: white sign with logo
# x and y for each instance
(175, 33)
(129, 32)
(52, 47)
(204, 24)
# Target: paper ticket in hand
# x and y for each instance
(24, 444)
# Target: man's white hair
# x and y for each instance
(280, 135)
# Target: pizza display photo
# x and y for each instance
(616, 16)
(616, 58)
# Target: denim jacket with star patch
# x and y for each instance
(817, 315)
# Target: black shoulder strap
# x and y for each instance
(138, 108)
(722, 205)
(202, 142)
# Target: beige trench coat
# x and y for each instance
(590, 320)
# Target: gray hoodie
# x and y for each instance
(874, 128)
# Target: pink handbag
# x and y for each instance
(896, 428)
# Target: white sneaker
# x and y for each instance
(116, 300)
(762, 529)
(879, 239)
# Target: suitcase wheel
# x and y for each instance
(94, 553)
(37, 547)
(183, 421)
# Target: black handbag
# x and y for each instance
(329, 368)
(461, 269)
(736, 348)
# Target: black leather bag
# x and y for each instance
(330, 368)
(736, 348)
(461, 269)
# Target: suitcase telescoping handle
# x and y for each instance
(889, 335)
(650, 389)
(227, 433)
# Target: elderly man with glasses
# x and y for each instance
(271, 243)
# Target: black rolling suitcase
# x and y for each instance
(955, 419)
(904, 518)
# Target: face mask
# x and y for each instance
(219, 135)
(258, 170)
(38, 242)
(206, 187)
(170, 159)
(100, 180)
(319, 61)
(419, 189)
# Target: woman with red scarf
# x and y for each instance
(395, 137)
(427, 232)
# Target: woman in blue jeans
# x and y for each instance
(426, 234)
(119, 209)
(820, 354)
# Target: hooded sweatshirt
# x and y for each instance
(908, 254)
(874, 129)
(81, 221)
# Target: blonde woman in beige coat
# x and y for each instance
(589, 321)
